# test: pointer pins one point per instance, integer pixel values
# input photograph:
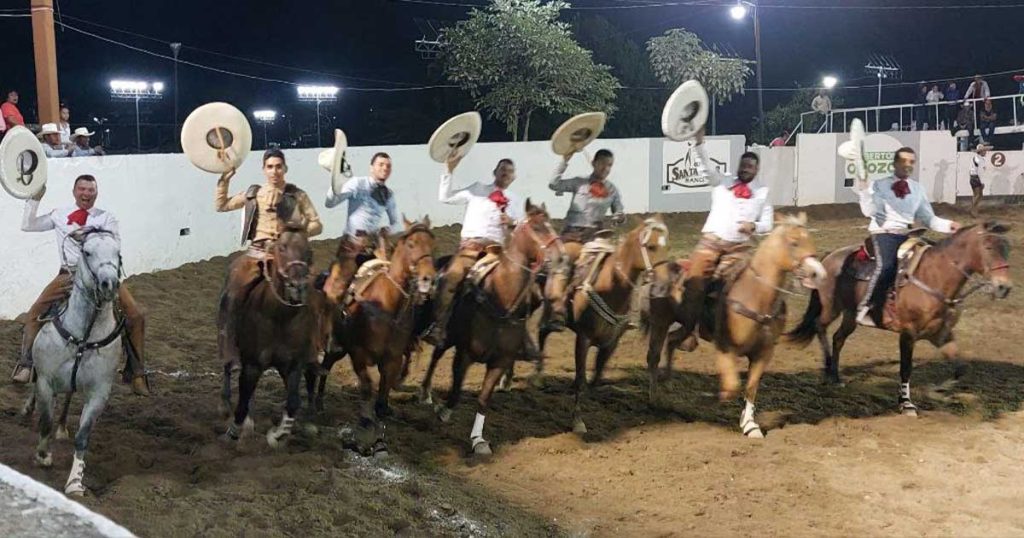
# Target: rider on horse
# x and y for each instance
(491, 209)
(737, 212)
(592, 197)
(64, 221)
(893, 204)
(261, 227)
(369, 201)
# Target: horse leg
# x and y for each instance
(248, 378)
(29, 406)
(579, 383)
(426, 396)
(44, 398)
(311, 376)
(728, 377)
(846, 328)
(62, 424)
(292, 405)
(390, 376)
(480, 446)
(460, 364)
(225, 393)
(604, 353)
(94, 406)
(655, 346)
(505, 384)
(907, 407)
(758, 364)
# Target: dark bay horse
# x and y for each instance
(277, 328)
(378, 326)
(927, 303)
(488, 324)
(745, 317)
(600, 303)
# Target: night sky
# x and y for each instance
(369, 44)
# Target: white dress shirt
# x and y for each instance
(892, 214)
(982, 92)
(483, 217)
(728, 211)
(978, 165)
(57, 220)
(365, 213)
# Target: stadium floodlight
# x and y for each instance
(829, 82)
(738, 12)
(317, 94)
(266, 117)
(136, 90)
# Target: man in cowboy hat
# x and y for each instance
(261, 227)
(50, 136)
(80, 140)
(370, 201)
(593, 196)
(737, 212)
(63, 221)
(490, 210)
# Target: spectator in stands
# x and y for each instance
(921, 110)
(987, 121)
(822, 104)
(978, 89)
(780, 140)
(9, 110)
(965, 120)
(81, 148)
(63, 126)
(52, 145)
(934, 97)
(952, 97)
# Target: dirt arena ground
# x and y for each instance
(836, 460)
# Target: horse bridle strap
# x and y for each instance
(758, 317)
(81, 346)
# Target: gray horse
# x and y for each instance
(79, 350)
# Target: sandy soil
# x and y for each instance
(836, 460)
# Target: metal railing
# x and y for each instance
(910, 115)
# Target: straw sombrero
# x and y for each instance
(333, 160)
(22, 163)
(685, 112)
(216, 137)
(457, 134)
(577, 132)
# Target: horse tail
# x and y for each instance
(803, 333)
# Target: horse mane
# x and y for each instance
(948, 241)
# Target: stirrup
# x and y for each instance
(864, 318)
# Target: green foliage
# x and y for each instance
(679, 55)
(786, 116)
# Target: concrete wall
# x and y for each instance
(1005, 179)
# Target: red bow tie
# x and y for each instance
(900, 188)
(742, 190)
(499, 198)
(598, 189)
(78, 217)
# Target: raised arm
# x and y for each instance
(560, 184)
(866, 192)
(446, 195)
(715, 177)
(348, 190)
(221, 202)
(32, 223)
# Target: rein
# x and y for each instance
(282, 274)
(958, 298)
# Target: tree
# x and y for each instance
(515, 58)
(679, 55)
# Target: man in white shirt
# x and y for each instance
(738, 210)
(822, 104)
(370, 201)
(893, 204)
(490, 210)
(80, 144)
(979, 165)
(54, 148)
(63, 221)
(978, 89)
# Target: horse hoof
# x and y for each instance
(482, 448)
(536, 381)
(444, 414)
(310, 429)
(276, 440)
(426, 397)
(75, 489)
(44, 461)
(909, 412)
(579, 427)
(756, 433)
(248, 426)
(61, 433)
(379, 449)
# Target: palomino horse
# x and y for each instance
(488, 324)
(600, 304)
(926, 306)
(378, 326)
(746, 315)
(80, 348)
(280, 327)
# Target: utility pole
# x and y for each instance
(176, 48)
(45, 52)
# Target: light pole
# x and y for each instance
(176, 48)
(266, 117)
(136, 90)
(318, 94)
(739, 12)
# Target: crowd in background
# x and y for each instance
(58, 139)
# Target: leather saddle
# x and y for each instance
(861, 263)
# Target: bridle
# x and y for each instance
(650, 226)
(983, 285)
(83, 236)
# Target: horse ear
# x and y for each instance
(426, 221)
(996, 227)
(529, 206)
(408, 223)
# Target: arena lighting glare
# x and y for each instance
(318, 94)
(136, 90)
(265, 115)
(738, 11)
(829, 82)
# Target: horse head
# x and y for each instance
(415, 252)
(988, 253)
(100, 263)
(793, 248)
(646, 246)
(292, 259)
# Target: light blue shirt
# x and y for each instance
(364, 212)
(892, 214)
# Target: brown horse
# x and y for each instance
(279, 327)
(927, 301)
(745, 317)
(601, 301)
(378, 326)
(488, 324)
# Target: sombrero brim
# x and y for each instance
(577, 132)
(331, 159)
(216, 137)
(685, 112)
(458, 134)
(22, 177)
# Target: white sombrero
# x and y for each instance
(853, 149)
(216, 137)
(577, 132)
(686, 111)
(457, 134)
(333, 160)
(22, 163)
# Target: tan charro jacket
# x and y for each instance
(264, 224)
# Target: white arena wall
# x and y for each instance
(1004, 176)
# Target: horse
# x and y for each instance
(280, 328)
(927, 301)
(378, 326)
(80, 348)
(488, 323)
(600, 303)
(743, 316)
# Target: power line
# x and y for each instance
(726, 3)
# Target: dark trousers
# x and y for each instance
(988, 129)
(886, 247)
